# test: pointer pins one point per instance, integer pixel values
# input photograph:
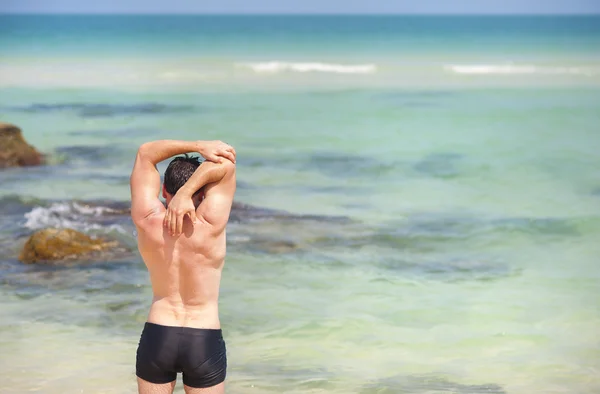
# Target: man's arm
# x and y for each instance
(145, 179)
(219, 182)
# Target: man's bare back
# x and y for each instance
(183, 247)
(185, 273)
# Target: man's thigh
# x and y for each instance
(145, 387)
(218, 389)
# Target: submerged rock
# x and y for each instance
(88, 110)
(439, 165)
(428, 385)
(274, 246)
(53, 244)
(241, 212)
(14, 150)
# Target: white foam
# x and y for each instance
(69, 215)
(89, 210)
(237, 238)
(520, 69)
(277, 67)
(135, 74)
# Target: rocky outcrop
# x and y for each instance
(61, 244)
(14, 150)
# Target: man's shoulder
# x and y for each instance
(151, 218)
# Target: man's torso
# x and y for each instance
(185, 272)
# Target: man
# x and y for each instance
(183, 247)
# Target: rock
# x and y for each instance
(14, 150)
(275, 246)
(54, 244)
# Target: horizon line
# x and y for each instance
(250, 14)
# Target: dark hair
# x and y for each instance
(178, 172)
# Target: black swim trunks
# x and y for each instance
(164, 351)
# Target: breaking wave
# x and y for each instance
(277, 67)
(515, 69)
(75, 215)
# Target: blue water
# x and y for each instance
(438, 203)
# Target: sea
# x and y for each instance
(418, 203)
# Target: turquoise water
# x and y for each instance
(436, 176)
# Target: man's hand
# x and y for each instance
(180, 206)
(216, 151)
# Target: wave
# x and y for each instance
(77, 216)
(276, 67)
(516, 69)
(201, 73)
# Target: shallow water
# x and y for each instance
(428, 237)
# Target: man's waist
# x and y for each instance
(198, 315)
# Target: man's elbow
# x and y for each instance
(222, 170)
(147, 153)
(144, 150)
(228, 165)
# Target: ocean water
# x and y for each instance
(423, 199)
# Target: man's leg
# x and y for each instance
(218, 389)
(145, 387)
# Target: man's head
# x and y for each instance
(178, 172)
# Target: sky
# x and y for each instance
(303, 6)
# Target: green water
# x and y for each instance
(470, 259)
